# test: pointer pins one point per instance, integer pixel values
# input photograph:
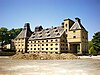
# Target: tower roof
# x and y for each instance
(26, 32)
(77, 25)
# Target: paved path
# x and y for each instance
(50, 67)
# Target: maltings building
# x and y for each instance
(70, 36)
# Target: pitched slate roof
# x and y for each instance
(77, 26)
(25, 33)
(47, 33)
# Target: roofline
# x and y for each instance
(43, 38)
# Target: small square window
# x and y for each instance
(42, 48)
(51, 40)
(56, 44)
(74, 36)
(46, 44)
(56, 40)
(42, 44)
(38, 48)
(56, 48)
(51, 48)
(74, 31)
(46, 40)
(66, 30)
(34, 48)
(46, 48)
(51, 44)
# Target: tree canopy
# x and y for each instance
(6, 35)
(96, 41)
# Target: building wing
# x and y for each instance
(47, 33)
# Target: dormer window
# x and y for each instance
(47, 31)
(40, 33)
(58, 34)
(33, 37)
(55, 27)
(56, 30)
(48, 35)
(41, 36)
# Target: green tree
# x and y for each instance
(90, 44)
(96, 41)
(92, 51)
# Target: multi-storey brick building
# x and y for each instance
(69, 37)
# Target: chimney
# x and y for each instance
(78, 20)
(27, 26)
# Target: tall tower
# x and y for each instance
(22, 39)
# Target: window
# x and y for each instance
(56, 44)
(47, 31)
(74, 36)
(19, 45)
(46, 40)
(31, 48)
(34, 48)
(66, 48)
(42, 44)
(55, 27)
(35, 45)
(41, 36)
(46, 48)
(66, 25)
(56, 30)
(34, 41)
(38, 41)
(56, 40)
(58, 34)
(38, 45)
(66, 30)
(42, 48)
(40, 33)
(22, 44)
(51, 48)
(46, 44)
(42, 41)
(56, 48)
(56, 52)
(66, 35)
(51, 44)
(51, 40)
(38, 48)
(33, 37)
(74, 31)
(31, 45)
(48, 35)
(51, 52)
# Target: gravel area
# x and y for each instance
(50, 67)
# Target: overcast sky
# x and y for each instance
(48, 13)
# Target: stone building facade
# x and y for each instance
(69, 37)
